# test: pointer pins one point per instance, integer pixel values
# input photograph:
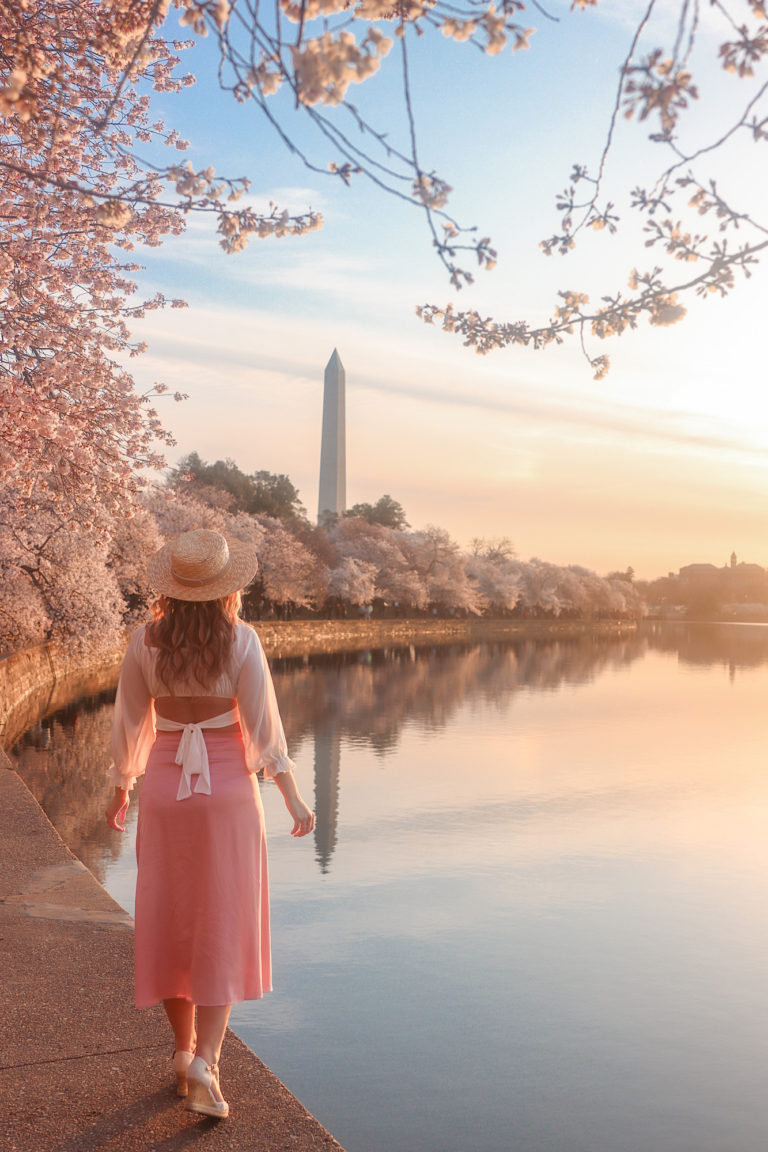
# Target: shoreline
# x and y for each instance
(314, 637)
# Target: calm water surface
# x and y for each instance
(532, 918)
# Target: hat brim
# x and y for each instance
(238, 572)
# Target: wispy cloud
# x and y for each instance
(251, 348)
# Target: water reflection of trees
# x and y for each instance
(63, 761)
(370, 696)
(731, 645)
(361, 697)
(366, 698)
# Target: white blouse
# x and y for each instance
(246, 678)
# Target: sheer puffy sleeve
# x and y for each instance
(133, 724)
(262, 728)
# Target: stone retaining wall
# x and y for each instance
(309, 637)
(37, 681)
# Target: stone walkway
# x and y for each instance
(80, 1069)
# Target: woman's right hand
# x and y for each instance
(117, 809)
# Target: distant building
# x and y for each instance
(698, 571)
(332, 498)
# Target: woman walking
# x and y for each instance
(196, 708)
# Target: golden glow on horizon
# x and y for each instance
(606, 477)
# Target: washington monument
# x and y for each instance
(333, 451)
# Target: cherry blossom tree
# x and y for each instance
(538, 591)
(497, 580)
(76, 87)
(437, 560)
(291, 573)
(626, 598)
(175, 512)
(353, 581)
(24, 619)
(396, 579)
(76, 77)
(317, 50)
(496, 549)
(579, 590)
(72, 429)
(59, 583)
(131, 540)
(553, 589)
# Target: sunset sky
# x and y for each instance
(660, 464)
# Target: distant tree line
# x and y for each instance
(223, 484)
(82, 587)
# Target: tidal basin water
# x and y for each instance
(533, 915)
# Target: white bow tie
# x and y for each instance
(192, 755)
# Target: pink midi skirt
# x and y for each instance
(202, 900)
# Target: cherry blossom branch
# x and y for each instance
(660, 85)
(566, 202)
(658, 301)
(152, 19)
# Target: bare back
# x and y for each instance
(194, 709)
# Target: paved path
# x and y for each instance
(80, 1069)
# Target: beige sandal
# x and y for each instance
(181, 1063)
(202, 1078)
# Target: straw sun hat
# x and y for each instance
(202, 565)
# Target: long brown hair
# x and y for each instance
(193, 638)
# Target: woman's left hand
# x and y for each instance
(303, 816)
